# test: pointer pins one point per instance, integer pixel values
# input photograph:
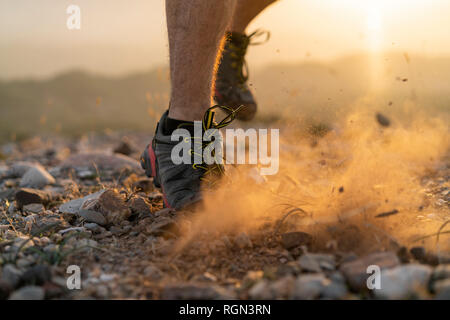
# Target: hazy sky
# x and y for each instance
(119, 36)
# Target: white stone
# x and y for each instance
(36, 177)
(403, 281)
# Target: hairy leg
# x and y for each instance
(246, 11)
(196, 29)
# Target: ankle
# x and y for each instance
(189, 111)
(170, 125)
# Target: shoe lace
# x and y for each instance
(237, 53)
(208, 123)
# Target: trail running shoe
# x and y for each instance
(231, 87)
(182, 184)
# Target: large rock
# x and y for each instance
(27, 196)
(18, 169)
(403, 282)
(36, 275)
(441, 272)
(266, 290)
(36, 177)
(355, 271)
(76, 205)
(111, 204)
(34, 208)
(11, 275)
(336, 288)
(317, 262)
(317, 285)
(440, 275)
(261, 291)
(28, 293)
(101, 161)
(92, 216)
(309, 286)
(103, 207)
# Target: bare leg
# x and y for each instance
(246, 11)
(196, 29)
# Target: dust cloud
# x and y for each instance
(356, 185)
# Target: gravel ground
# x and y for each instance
(86, 202)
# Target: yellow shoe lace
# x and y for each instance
(215, 169)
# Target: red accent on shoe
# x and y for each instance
(152, 156)
(166, 202)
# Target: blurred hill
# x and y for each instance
(75, 102)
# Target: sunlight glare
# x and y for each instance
(374, 19)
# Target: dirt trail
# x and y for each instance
(310, 232)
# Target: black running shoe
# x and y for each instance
(231, 87)
(182, 184)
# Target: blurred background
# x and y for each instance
(324, 59)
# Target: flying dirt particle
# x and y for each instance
(407, 58)
(390, 103)
(319, 129)
(383, 120)
(124, 148)
(341, 189)
(401, 79)
(387, 214)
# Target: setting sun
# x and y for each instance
(374, 19)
